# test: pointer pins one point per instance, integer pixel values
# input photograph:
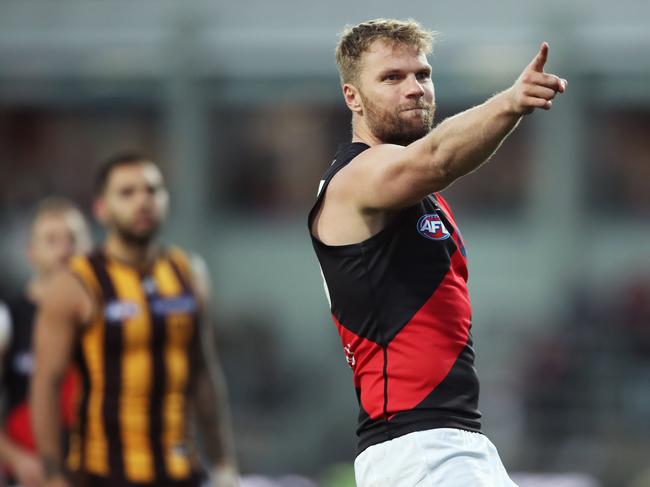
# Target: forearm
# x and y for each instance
(45, 421)
(209, 397)
(23, 464)
(213, 421)
(461, 143)
(9, 450)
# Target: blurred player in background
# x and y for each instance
(132, 314)
(57, 232)
(394, 262)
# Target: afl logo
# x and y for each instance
(431, 227)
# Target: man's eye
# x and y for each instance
(423, 75)
(391, 77)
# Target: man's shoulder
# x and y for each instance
(193, 267)
(359, 151)
(68, 294)
(184, 259)
(359, 165)
(174, 251)
(64, 282)
(347, 175)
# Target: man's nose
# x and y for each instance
(144, 198)
(414, 87)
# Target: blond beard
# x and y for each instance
(390, 128)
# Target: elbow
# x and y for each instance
(45, 380)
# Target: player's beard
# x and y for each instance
(391, 127)
(131, 237)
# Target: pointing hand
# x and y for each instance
(534, 88)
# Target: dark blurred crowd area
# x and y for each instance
(585, 384)
(272, 155)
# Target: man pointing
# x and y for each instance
(394, 262)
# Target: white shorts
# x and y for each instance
(443, 457)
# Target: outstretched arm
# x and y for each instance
(390, 176)
(66, 304)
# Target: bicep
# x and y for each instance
(208, 374)
(53, 340)
(392, 177)
(206, 346)
(209, 382)
(202, 390)
(206, 349)
(57, 322)
(201, 282)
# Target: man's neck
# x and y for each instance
(361, 132)
(136, 255)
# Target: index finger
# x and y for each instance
(537, 64)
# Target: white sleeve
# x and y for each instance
(5, 328)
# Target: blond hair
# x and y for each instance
(53, 205)
(357, 39)
(58, 205)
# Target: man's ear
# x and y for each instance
(352, 98)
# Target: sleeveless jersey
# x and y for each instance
(135, 358)
(16, 375)
(401, 306)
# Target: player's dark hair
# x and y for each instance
(126, 158)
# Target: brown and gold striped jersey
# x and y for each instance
(135, 359)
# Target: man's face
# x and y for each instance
(396, 91)
(134, 202)
(55, 237)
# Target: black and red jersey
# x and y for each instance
(17, 370)
(18, 362)
(400, 303)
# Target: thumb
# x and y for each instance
(537, 64)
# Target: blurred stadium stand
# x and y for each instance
(239, 101)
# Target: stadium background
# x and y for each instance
(239, 101)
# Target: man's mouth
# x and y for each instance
(144, 219)
(410, 109)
